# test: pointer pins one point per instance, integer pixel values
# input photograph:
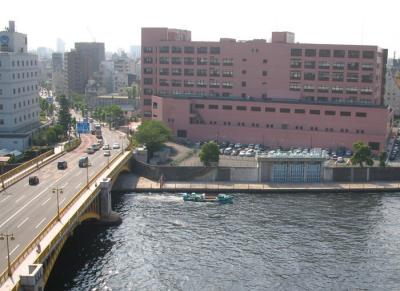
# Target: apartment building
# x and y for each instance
(19, 98)
(278, 93)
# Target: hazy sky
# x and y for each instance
(117, 23)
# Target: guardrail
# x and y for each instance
(15, 177)
(32, 245)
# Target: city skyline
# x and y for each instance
(314, 23)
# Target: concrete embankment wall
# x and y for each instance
(250, 174)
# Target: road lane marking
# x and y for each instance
(78, 174)
(25, 220)
(26, 185)
(63, 186)
(77, 186)
(46, 201)
(13, 250)
(23, 207)
(40, 222)
(5, 198)
(62, 200)
(19, 199)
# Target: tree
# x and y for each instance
(153, 134)
(362, 154)
(382, 159)
(64, 117)
(51, 135)
(209, 153)
(44, 105)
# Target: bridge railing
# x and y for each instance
(33, 244)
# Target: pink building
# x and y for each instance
(280, 93)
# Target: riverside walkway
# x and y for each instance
(133, 183)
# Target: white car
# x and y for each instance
(116, 145)
(106, 153)
(106, 147)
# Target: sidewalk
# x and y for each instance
(135, 183)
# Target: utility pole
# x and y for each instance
(58, 190)
(6, 236)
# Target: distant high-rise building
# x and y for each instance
(82, 63)
(60, 46)
(135, 51)
(19, 98)
(57, 61)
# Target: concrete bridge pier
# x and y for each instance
(107, 216)
(33, 280)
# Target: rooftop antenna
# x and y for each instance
(91, 34)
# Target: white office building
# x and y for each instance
(19, 98)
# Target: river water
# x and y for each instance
(260, 242)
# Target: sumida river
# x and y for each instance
(260, 242)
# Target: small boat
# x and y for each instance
(203, 197)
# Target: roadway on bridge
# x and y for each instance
(25, 210)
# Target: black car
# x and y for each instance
(33, 180)
(61, 165)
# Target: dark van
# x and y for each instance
(83, 162)
(33, 180)
(61, 165)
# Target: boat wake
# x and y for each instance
(160, 198)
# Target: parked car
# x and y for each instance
(33, 180)
(227, 151)
(340, 160)
(242, 153)
(62, 165)
(107, 153)
(116, 145)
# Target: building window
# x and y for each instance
(148, 81)
(148, 60)
(215, 50)
(309, 76)
(368, 54)
(201, 72)
(345, 113)
(188, 50)
(308, 88)
(323, 76)
(227, 62)
(339, 53)
(309, 64)
(164, 49)
(202, 50)
(311, 52)
(1, 121)
(176, 61)
(299, 111)
(164, 60)
(147, 70)
(338, 66)
(147, 102)
(241, 108)
(176, 71)
(361, 114)
(147, 49)
(243, 83)
(188, 72)
(212, 106)
(295, 63)
(269, 109)
(202, 61)
(188, 61)
(324, 53)
(296, 52)
(148, 91)
(295, 75)
(294, 87)
(255, 108)
(367, 78)
(330, 112)
(353, 66)
(314, 111)
(226, 107)
(265, 61)
(374, 146)
(284, 110)
(199, 106)
(176, 49)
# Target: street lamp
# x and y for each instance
(58, 190)
(122, 138)
(7, 236)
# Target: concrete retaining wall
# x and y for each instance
(244, 174)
